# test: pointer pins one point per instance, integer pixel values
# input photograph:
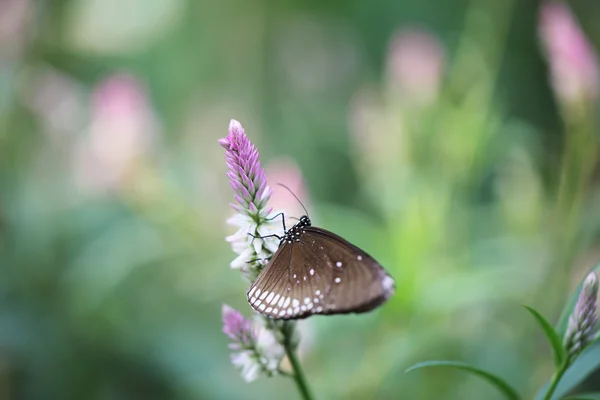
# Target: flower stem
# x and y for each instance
(555, 379)
(299, 377)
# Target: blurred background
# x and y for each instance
(455, 141)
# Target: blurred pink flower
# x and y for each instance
(415, 65)
(13, 22)
(287, 172)
(573, 62)
(122, 129)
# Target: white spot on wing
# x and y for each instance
(359, 257)
(317, 292)
(252, 292)
(312, 271)
(287, 302)
(264, 294)
(257, 292)
(338, 264)
(295, 302)
(275, 311)
(269, 309)
(306, 300)
(280, 304)
(337, 280)
(262, 307)
(388, 285)
(274, 301)
(270, 297)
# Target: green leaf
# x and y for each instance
(560, 354)
(584, 365)
(499, 383)
(586, 396)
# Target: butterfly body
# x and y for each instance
(315, 271)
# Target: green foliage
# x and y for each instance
(584, 365)
(496, 381)
(586, 396)
(556, 343)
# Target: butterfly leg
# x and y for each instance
(264, 237)
(257, 259)
(282, 219)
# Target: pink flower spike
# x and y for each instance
(255, 349)
(572, 60)
(582, 321)
(252, 208)
(235, 326)
(246, 175)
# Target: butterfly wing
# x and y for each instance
(357, 282)
(289, 286)
(321, 273)
(267, 295)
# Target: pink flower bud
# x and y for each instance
(416, 65)
(122, 129)
(572, 60)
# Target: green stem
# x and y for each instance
(298, 373)
(555, 379)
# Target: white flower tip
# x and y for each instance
(235, 126)
(591, 283)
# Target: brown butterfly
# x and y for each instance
(315, 271)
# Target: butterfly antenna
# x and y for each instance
(290, 190)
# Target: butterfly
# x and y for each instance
(315, 271)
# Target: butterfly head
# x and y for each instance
(304, 221)
(296, 231)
